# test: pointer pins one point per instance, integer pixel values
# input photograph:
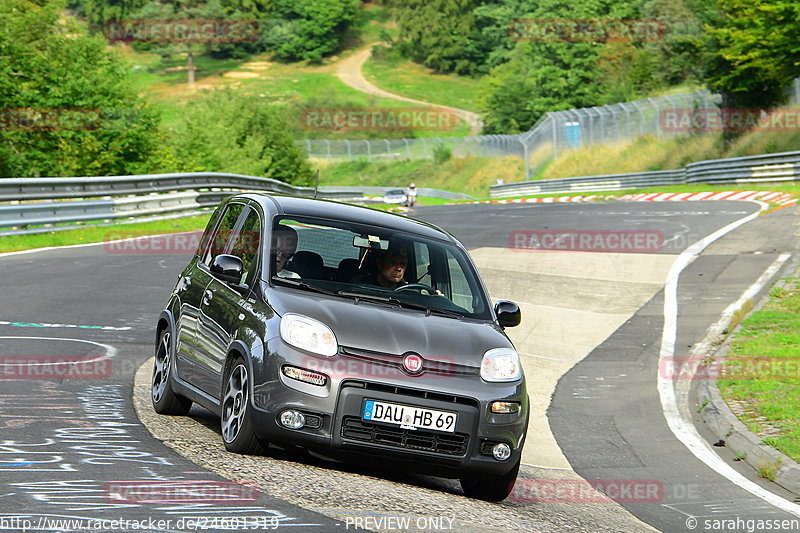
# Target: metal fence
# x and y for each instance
(767, 168)
(555, 132)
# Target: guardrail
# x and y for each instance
(80, 200)
(751, 169)
(38, 205)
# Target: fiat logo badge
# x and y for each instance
(412, 363)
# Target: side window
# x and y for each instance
(218, 242)
(460, 291)
(245, 243)
(205, 239)
(423, 261)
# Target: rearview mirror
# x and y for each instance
(228, 268)
(508, 314)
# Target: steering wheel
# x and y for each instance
(418, 287)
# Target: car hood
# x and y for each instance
(393, 330)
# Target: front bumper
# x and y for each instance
(341, 433)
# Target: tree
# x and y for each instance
(227, 131)
(166, 27)
(66, 106)
(754, 51)
(309, 29)
(437, 32)
(99, 12)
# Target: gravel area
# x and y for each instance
(344, 491)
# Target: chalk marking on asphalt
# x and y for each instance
(46, 325)
(110, 350)
(682, 428)
(544, 357)
(547, 467)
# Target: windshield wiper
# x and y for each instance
(301, 285)
(367, 297)
(429, 310)
(402, 303)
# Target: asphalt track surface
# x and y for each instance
(70, 448)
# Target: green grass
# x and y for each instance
(13, 243)
(298, 85)
(470, 175)
(406, 78)
(771, 394)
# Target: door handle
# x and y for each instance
(185, 282)
(207, 296)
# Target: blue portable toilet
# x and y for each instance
(572, 132)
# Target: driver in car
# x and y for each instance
(391, 269)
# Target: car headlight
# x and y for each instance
(308, 334)
(501, 364)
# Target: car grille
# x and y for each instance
(412, 393)
(447, 444)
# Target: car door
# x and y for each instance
(192, 285)
(221, 307)
(189, 291)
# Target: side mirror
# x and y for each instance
(508, 314)
(228, 268)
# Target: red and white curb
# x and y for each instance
(779, 198)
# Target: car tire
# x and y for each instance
(490, 488)
(235, 419)
(163, 397)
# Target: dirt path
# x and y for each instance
(349, 71)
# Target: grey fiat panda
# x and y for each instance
(361, 335)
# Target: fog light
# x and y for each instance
(505, 407)
(501, 451)
(293, 419)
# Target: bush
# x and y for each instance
(227, 131)
(442, 153)
(50, 68)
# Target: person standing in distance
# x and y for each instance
(411, 195)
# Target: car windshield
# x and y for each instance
(375, 265)
(395, 192)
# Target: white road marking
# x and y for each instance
(680, 425)
(110, 350)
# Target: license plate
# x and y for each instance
(408, 417)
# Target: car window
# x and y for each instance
(223, 232)
(459, 290)
(340, 256)
(423, 261)
(245, 242)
